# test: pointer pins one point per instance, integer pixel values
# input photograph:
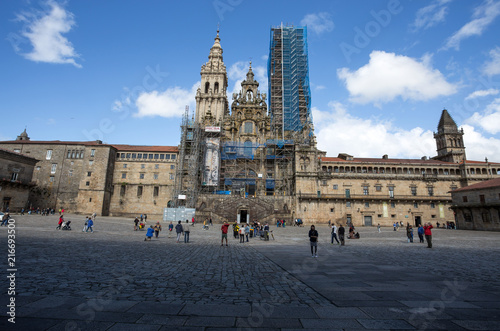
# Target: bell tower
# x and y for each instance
(211, 99)
(449, 140)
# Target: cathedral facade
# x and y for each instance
(233, 164)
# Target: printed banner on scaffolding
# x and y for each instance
(211, 162)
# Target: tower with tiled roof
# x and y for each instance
(449, 140)
(211, 99)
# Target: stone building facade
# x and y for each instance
(16, 173)
(477, 206)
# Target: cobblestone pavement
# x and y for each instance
(113, 280)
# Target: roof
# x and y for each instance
(480, 186)
(446, 120)
(478, 162)
(386, 161)
(135, 148)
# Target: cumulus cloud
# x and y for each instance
(489, 120)
(430, 15)
(482, 93)
(169, 103)
(387, 76)
(492, 67)
(318, 23)
(478, 146)
(483, 16)
(338, 131)
(45, 30)
(238, 73)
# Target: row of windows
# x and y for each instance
(72, 154)
(143, 166)
(366, 190)
(142, 176)
(409, 171)
(140, 189)
(348, 204)
(146, 156)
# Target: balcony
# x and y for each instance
(374, 197)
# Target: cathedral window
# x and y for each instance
(207, 86)
(248, 127)
(216, 87)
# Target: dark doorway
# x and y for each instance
(243, 216)
(418, 221)
(368, 221)
(6, 204)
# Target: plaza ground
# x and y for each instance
(113, 280)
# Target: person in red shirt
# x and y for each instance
(224, 228)
(428, 234)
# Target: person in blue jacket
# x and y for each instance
(90, 223)
(150, 233)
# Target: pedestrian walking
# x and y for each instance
(247, 231)
(136, 222)
(186, 232)
(420, 232)
(313, 239)
(178, 230)
(90, 224)
(428, 234)
(224, 229)
(341, 235)
(86, 224)
(149, 233)
(157, 229)
(170, 228)
(59, 224)
(334, 234)
(378, 228)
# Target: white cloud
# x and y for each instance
(492, 67)
(339, 132)
(388, 76)
(430, 15)
(489, 120)
(169, 103)
(45, 33)
(318, 23)
(482, 93)
(483, 16)
(238, 73)
(478, 146)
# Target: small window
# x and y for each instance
(433, 216)
(347, 193)
(134, 155)
(17, 150)
(171, 176)
(150, 156)
(367, 204)
(92, 152)
(48, 156)
(433, 205)
(393, 215)
(73, 154)
(122, 155)
(157, 166)
(157, 156)
(172, 166)
(335, 187)
(139, 155)
(91, 162)
(331, 210)
(143, 166)
(141, 176)
(139, 191)
(14, 176)
(378, 188)
(124, 166)
(123, 189)
(156, 191)
(155, 176)
(70, 173)
(162, 156)
(365, 190)
(69, 155)
(393, 205)
(167, 156)
(348, 204)
(129, 155)
(323, 182)
(464, 199)
(90, 199)
(37, 168)
(87, 183)
(53, 168)
(173, 156)
(391, 192)
(430, 190)
(89, 173)
(124, 175)
(51, 179)
(415, 205)
(413, 190)
(379, 215)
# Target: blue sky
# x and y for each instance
(381, 71)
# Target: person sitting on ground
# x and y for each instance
(149, 234)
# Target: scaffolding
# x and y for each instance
(288, 80)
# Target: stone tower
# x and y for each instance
(23, 136)
(449, 140)
(211, 98)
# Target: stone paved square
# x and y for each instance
(113, 280)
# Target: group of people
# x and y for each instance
(281, 223)
(153, 230)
